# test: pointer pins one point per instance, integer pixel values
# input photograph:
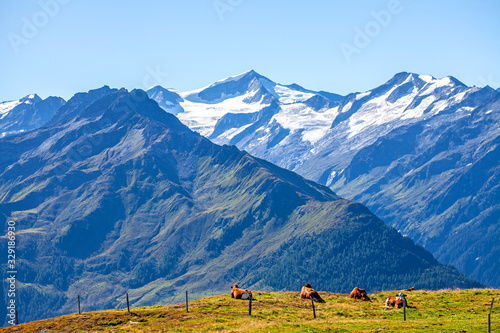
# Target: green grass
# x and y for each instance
(429, 311)
(27, 190)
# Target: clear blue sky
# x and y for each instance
(84, 44)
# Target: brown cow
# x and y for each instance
(396, 301)
(308, 292)
(358, 293)
(238, 293)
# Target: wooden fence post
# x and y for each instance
(17, 318)
(128, 305)
(187, 309)
(404, 309)
(314, 309)
(79, 311)
(489, 315)
(250, 306)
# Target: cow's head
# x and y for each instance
(235, 286)
(308, 285)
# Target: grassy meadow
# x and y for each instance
(429, 311)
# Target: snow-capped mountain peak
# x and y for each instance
(242, 98)
(245, 83)
(233, 86)
(248, 74)
(27, 113)
(31, 98)
(259, 115)
(168, 99)
(6, 107)
(405, 98)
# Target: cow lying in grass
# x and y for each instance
(308, 292)
(238, 293)
(396, 301)
(358, 293)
